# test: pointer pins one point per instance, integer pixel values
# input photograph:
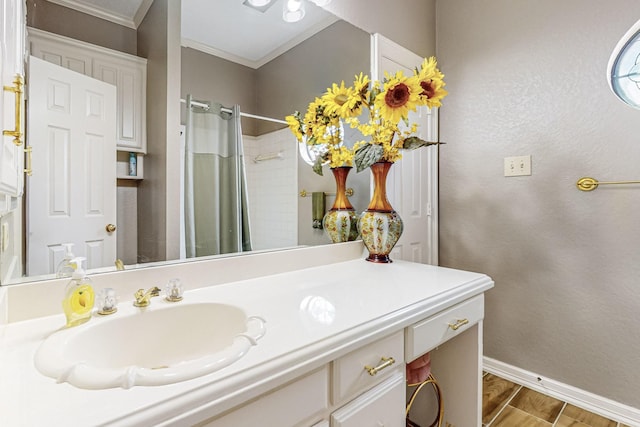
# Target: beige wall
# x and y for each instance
(51, 17)
(209, 78)
(410, 23)
(158, 193)
(529, 78)
(293, 79)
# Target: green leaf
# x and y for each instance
(373, 94)
(317, 166)
(367, 155)
(414, 142)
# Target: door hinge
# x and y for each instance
(28, 151)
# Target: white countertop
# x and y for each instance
(368, 301)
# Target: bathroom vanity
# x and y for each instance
(338, 336)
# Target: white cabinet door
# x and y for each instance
(71, 196)
(64, 56)
(12, 47)
(382, 406)
(127, 72)
(130, 81)
(292, 405)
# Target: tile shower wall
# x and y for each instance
(272, 186)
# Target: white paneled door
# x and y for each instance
(412, 184)
(71, 196)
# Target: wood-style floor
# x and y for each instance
(506, 404)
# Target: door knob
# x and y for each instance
(110, 228)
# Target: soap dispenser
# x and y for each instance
(66, 267)
(78, 297)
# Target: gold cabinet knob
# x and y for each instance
(110, 228)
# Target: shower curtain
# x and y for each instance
(215, 194)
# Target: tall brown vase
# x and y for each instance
(380, 226)
(340, 222)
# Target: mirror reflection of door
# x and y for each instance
(72, 129)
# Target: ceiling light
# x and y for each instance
(624, 67)
(259, 3)
(293, 10)
(321, 3)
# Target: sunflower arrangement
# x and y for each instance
(386, 129)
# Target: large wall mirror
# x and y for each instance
(269, 83)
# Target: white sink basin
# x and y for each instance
(162, 344)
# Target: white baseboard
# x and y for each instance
(575, 396)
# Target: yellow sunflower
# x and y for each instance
(314, 121)
(432, 83)
(339, 100)
(294, 125)
(361, 93)
(361, 86)
(399, 96)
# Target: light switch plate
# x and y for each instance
(517, 166)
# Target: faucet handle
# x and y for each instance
(143, 298)
(174, 290)
(107, 301)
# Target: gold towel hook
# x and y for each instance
(590, 184)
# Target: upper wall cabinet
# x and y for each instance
(127, 72)
(12, 46)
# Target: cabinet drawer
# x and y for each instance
(350, 376)
(298, 403)
(425, 335)
(381, 406)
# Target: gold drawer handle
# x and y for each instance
(386, 362)
(459, 323)
(17, 89)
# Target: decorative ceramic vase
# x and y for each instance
(341, 221)
(380, 226)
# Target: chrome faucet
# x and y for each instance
(143, 298)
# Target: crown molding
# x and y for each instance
(126, 21)
(269, 56)
(142, 12)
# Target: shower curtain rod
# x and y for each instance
(228, 110)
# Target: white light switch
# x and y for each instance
(517, 166)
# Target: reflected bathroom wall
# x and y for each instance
(272, 170)
(278, 88)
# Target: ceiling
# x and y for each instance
(225, 28)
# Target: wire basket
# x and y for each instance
(419, 386)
